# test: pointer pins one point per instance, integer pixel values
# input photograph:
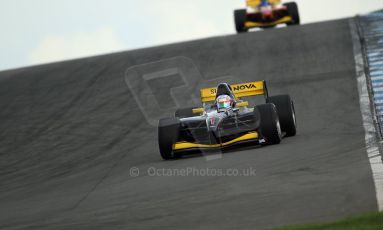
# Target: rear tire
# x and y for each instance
(286, 113)
(292, 9)
(269, 126)
(184, 112)
(168, 130)
(240, 20)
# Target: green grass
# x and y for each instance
(370, 221)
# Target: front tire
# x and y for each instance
(168, 131)
(269, 126)
(286, 113)
(292, 9)
(240, 20)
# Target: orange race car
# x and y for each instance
(266, 14)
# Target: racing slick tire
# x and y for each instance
(269, 126)
(292, 9)
(286, 113)
(168, 130)
(240, 20)
(184, 112)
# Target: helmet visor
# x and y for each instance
(223, 104)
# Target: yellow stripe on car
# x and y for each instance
(259, 24)
(189, 145)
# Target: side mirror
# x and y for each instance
(198, 110)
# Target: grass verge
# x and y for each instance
(370, 221)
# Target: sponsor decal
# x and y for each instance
(243, 87)
(236, 88)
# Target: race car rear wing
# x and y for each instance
(255, 3)
(239, 90)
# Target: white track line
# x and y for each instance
(372, 144)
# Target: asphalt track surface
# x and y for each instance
(70, 132)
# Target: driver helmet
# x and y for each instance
(224, 102)
(264, 3)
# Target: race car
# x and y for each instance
(225, 120)
(266, 14)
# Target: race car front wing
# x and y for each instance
(251, 136)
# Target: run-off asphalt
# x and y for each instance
(71, 131)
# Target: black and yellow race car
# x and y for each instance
(225, 119)
(266, 14)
